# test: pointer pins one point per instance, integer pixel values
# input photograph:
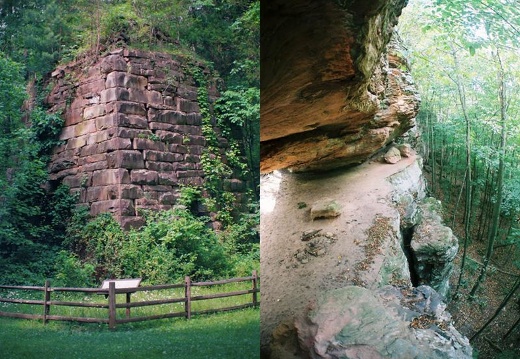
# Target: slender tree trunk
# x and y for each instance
(467, 182)
(500, 307)
(500, 179)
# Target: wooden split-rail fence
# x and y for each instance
(111, 288)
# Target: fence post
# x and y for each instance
(46, 300)
(187, 296)
(112, 305)
(255, 296)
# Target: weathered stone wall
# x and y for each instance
(132, 133)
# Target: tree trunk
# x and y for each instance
(500, 179)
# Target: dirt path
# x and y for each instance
(290, 283)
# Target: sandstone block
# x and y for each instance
(194, 119)
(94, 111)
(123, 207)
(67, 132)
(191, 158)
(154, 97)
(114, 94)
(77, 142)
(62, 164)
(116, 144)
(99, 136)
(190, 173)
(112, 63)
(191, 181)
(90, 86)
(102, 193)
(140, 69)
(159, 166)
(131, 222)
(123, 79)
(135, 53)
(188, 130)
(78, 180)
(187, 92)
(197, 140)
(167, 116)
(131, 192)
(146, 144)
(133, 133)
(125, 159)
(111, 192)
(85, 127)
(392, 155)
(110, 176)
(96, 166)
(169, 101)
(80, 103)
(325, 208)
(168, 198)
(162, 156)
(62, 174)
(196, 150)
(157, 188)
(188, 106)
(129, 108)
(73, 116)
(169, 137)
(92, 159)
(90, 150)
(136, 95)
(178, 148)
(161, 126)
(168, 178)
(405, 149)
(132, 121)
(145, 177)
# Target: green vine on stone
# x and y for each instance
(215, 170)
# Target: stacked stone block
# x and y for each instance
(132, 133)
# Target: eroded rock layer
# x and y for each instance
(332, 94)
(132, 134)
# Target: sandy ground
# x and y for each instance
(288, 285)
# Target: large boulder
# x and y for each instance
(391, 322)
(434, 247)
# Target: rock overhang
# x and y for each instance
(333, 94)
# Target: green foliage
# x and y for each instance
(238, 110)
(71, 272)
(171, 245)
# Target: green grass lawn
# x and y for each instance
(223, 335)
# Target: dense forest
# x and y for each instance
(43, 234)
(464, 58)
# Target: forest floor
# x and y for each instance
(470, 315)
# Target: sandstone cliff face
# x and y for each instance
(132, 133)
(332, 94)
(369, 226)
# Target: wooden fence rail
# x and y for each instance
(112, 305)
